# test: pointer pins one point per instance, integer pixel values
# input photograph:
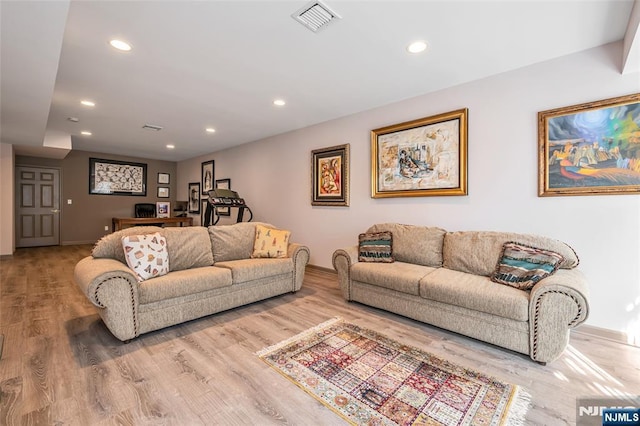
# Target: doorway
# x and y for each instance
(37, 206)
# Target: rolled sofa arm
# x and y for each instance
(111, 286)
(300, 255)
(557, 304)
(342, 260)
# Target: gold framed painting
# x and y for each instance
(420, 158)
(590, 149)
(330, 176)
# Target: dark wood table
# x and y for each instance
(117, 223)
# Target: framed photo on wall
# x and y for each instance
(163, 178)
(330, 176)
(590, 149)
(163, 192)
(421, 158)
(223, 184)
(208, 173)
(194, 197)
(163, 209)
(111, 177)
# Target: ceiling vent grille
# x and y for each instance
(152, 127)
(315, 16)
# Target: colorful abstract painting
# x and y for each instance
(591, 148)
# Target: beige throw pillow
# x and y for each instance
(270, 242)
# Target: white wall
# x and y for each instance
(7, 236)
(273, 175)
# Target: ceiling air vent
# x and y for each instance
(315, 16)
(152, 127)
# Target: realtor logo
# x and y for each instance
(592, 411)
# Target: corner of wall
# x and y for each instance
(7, 200)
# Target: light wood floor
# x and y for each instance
(61, 366)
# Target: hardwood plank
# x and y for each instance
(62, 366)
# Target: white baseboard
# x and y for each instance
(604, 333)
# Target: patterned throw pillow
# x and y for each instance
(522, 266)
(375, 247)
(146, 255)
(270, 242)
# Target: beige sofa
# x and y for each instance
(211, 270)
(442, 278)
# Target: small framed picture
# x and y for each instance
(194, 197)
(163, 209)
(330, 176)
(163, 192)
(163, 178)
(208, 173)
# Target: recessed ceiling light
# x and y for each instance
(279, 102)
(170, 146)
(210, 130)
(417, 46)
(88, 103)
(120, 45)
(86, 133)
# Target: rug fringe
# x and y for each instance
(518, 408)
(263, 352)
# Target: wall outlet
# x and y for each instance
(69, 201)
(106, 227)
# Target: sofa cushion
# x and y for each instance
(245, 270)
(270, 242)
(521, 266)
(233, 242)
(421, 245)
(189, 247)
(146, 255)
(478, 252)
(399, 276)
(183, 283)
(475, 292)
(375, 247)
(110, 246)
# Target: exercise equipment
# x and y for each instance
(225, 198)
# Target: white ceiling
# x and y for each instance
(222, 63)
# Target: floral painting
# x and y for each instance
(591, 148)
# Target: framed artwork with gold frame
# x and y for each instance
(590, 149)
(421, 158)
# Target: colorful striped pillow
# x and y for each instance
(375, 247)
(522, 266)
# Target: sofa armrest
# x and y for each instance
(300, 255)
(556, 304)
(342, 260)
(111, 285)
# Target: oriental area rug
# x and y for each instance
(369, 379)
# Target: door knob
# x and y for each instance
(55, 210)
